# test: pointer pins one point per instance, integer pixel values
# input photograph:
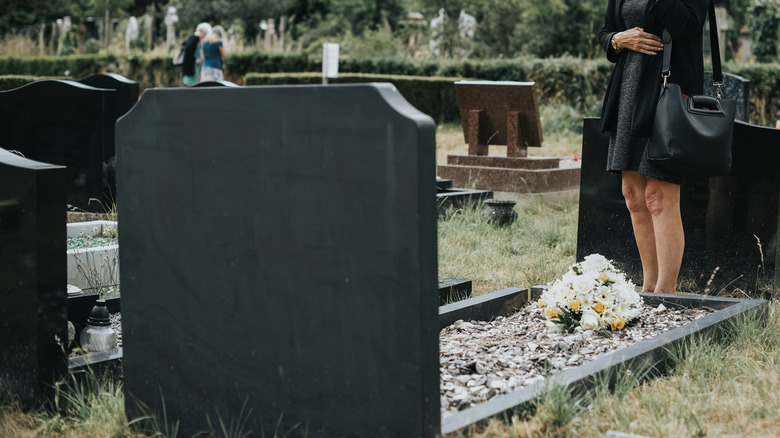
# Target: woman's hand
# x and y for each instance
(638, 40)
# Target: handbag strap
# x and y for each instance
(717, 71)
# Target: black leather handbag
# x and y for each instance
(691, 135)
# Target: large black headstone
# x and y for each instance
(33, 313)
(64, 123)
(734, 87)
(126, 96)
(724, 218)
(278, 248)
(127, 91)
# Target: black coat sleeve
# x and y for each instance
(611, 27)
(682, 18)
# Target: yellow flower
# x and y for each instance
(599, 307)
(552, 312)
(541, 303)
(603, 277)
(575, 304)
(617, 322)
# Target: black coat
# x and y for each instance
(188, 64)
(684, 20)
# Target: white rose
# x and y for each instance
(589, 320)
(595, 262)
(583, 284)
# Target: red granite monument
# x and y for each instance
(504, 113)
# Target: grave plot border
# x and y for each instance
(646, 355)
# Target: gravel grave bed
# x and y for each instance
(482, 359)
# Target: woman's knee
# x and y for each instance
(661, 196)
(633, 192)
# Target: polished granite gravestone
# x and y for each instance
(33, 314)
(734, 87)
(504, 113)
(65, 123)
(282, 256)
(725, 218)
(127, 92)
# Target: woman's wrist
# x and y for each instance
(615, 42)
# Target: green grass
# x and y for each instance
(538, 247)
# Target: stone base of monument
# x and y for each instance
(448, 197)
(511, 174)
(649, 354)
(100, 263)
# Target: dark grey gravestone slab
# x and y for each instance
(724, 218)
(734, 87)
(484, 307)
(648, 355)
(64, 123)
(282, 254)
(33, 314)
(453, 289)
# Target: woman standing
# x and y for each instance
(213, 56)
(190, 68)
(630, 38)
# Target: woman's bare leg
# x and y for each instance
(663, 203)
(634, 188)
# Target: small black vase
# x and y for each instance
(500, 212)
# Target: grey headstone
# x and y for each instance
(278, 248)
(33, 313)
(724, 218)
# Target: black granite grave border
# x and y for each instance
(647, 355)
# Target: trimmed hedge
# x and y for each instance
(434, 96)
(566, 80)
(77, 66)
(10, 82)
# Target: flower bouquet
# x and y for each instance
(593, 295)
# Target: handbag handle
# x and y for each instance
(717, 71)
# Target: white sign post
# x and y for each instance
(330, 61)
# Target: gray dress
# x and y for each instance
(625, 151)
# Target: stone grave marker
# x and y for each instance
(126, 96)
(64, 123)
(33, 314)
(504, 113)
(283, 260)
(730, 222)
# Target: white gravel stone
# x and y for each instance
(480, 360)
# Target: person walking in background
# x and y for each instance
(213, 56)
(190, 67)
(631, 39)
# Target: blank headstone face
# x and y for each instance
(33, 313)
(127, 90)
(64, 123)
(730, 222)
(278, 249)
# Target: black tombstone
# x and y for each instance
(64, 123)
(730, 222)
(127, 92)
(222, 83)
(281, 255)
(33, 314)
